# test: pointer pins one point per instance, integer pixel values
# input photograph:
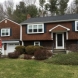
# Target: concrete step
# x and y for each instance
(59, 51)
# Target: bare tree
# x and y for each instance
(29, 2)
(72, 8)
(9, 8)
(2, 13)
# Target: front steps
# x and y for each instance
(57, 51)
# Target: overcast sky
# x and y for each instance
(17, 1)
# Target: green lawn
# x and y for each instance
(17, 68)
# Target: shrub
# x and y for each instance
(49, 53)
(20, 49)
(41, 54)
(21, 56)
(13, 54)
(27, 56)
(31, 49)
(64, 59)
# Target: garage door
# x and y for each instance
(11, 47)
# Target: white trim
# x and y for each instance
(52, 35)
(5, 32)
(33, 28)
(67, 35)
(59, 26)
(10, 21)
(5, 21)
(36, 42)
(61, 47)
(20, 33)
(10, 41)
(76, 25)
(22, 43)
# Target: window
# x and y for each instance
(36, 43)
(5, 32)
(35, 28)
(76, 25)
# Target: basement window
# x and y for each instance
(36, 43)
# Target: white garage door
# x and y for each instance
(10, 47)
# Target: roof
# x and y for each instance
(10, 21)
(60, 28)
(60, 18)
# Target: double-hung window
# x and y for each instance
(35, 28)
(76, 25)
(5, 32)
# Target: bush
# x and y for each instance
(64, 59)
(27, 56)
(49, 53)
(20, 49)
(31, 49)
(21, 56)
(13, 55)
(41, 54)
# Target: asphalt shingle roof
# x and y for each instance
(51, 18)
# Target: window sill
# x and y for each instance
(36, 33)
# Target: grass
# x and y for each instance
(16, 68)
(64, 59)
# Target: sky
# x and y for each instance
(15, 1)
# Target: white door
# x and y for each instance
(59, 40)
(11, 47)
(2, 49)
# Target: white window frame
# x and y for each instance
(37, 42)
(33, 28)
(5, 30)
(76, 25)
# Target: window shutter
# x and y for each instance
(44, 27)
(73, 26)
(0, 32)
(10, 32)
(41, 43)
(26, 29)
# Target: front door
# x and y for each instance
(59, 40)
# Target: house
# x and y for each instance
(58, 32)
(10, 35)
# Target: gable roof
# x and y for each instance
(10, 21)
(60, 18)
(59, 26)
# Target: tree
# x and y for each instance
(71, 9)
(22, 10)
(53, 6)
(62, 6)
(9, 8)
(41, 3)
(75, 3)
(2, 13)
(47, 9)
(32, 10)
(29, 2)
(19, 13)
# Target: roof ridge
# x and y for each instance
(52, 16)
